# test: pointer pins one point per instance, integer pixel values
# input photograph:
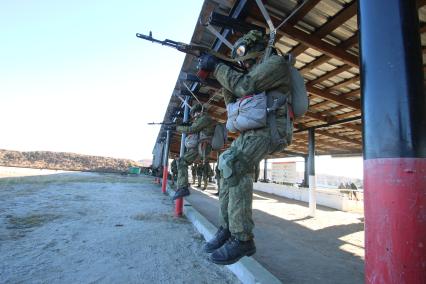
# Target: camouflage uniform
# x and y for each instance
(207, 170)
(199, 174)
(193, 172)
(235, 196)
(217, 176)
(174, 170)
(204, 124)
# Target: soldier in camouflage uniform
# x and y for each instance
(174, 170)
(234, 238)
(217, 176)
(203, 125)
(194, 172)
(199, 174)
(207, 171)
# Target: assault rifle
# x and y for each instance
(170, 123)
(195, 50)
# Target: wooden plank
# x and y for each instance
(420, 3)
(353, 93)
(337, 20)
(328, 75)
(335, 98)
(342, 16)
(299, 49)
(345, 83)
(324, 58)
(350, 42)
(312, 41)
(318, 44)
(339, 137)
(299, 15)
(348, 114)
(315, 63)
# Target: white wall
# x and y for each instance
(330, 197)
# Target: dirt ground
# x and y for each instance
(59, 227)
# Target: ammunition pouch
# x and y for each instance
(233, 166)
(275, 100)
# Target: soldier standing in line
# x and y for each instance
(207, 170)
(217, 177)
(193, 172)
(174, 170)
(200, 169)
(203, 128)
(234, 239)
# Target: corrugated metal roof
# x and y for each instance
(334, 95)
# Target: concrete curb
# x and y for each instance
(247, 270)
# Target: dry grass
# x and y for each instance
(64, 161)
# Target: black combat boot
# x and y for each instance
(219, 239)
(181, 192)
(232, 251)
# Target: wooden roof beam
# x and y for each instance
(342, 16)
(345, 83)
(299, 15)
(348, 114)
(324, 58)
(335, 98)
(328, 75)
(312, 41)
(420, 3)
(332, 135)
(350, 94)
(318, 44)
(339, 137)
(320, 117)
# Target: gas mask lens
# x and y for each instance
(241, 50)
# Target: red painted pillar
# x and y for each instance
(394, 122)
(165, 174)
(179, 207)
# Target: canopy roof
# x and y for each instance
(323, 37)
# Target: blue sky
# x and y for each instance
(74, 77)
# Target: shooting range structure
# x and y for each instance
(384, 120)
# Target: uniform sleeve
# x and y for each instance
(198, 125)
(265, 76)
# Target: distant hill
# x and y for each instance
(63, 161)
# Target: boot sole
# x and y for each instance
(232, 261)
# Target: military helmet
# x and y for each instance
(196, 108)
(253, 41)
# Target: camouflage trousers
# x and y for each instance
(235, 198)
(188, 158)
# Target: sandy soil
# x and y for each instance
(94, 228)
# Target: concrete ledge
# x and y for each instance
(247, 269)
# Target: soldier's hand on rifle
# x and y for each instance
(207, 62)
